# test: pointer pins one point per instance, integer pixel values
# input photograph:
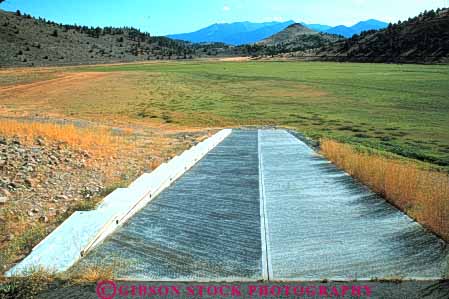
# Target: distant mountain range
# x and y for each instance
(357, 28)
(234, 33)
(241, 33)
(317, 27)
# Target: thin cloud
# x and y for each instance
(226, 8)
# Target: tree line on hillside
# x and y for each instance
(424, 38)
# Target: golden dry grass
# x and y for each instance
(94, 274)
(102, 270)
(421, 193)
(98, 140)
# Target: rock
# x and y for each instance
(43, 219)
(86, 154)
(27, 168)
(33, 212)
(3, 200)
(4, 182)
(10, 237)
(30, 182)
(62, 197)
(35, 150)
(4, 192)
(40, 141)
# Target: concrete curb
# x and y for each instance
(82, 231)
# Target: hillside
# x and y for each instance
(290, 33)
(423, 39)
(238, 33)
(27, 41)
(297, 37)
(317, 27)
(357, 28)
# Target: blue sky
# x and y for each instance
(161, 17)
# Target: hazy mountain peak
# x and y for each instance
(234, 33)
(357, 28)
(245, 32)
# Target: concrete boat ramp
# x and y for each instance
(248, 205)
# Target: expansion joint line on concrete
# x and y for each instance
(266, 261)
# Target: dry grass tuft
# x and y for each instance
(101, 270)
(95, 273)
(98, 140)
(27, 236)
(30, 285)
(423, 194)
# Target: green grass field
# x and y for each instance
(402, 109)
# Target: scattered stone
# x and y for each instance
(40, 141)
(3, 200)
(51, 177)
(86, 154)
(35, 149)
(30, 182)
(10, 237)
(4, 192)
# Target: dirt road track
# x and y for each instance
(45, 85)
